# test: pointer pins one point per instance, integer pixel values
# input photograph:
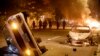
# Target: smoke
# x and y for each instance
(73, 9)
(77, 9)
(86, 11)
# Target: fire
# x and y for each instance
(92, 23)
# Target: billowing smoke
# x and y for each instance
(86, 11)
(73, 9)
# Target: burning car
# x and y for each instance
(79, 35)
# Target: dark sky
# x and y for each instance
(68, 8)
(5, 4)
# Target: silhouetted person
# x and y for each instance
(44, 24)
(33, 24)
(58, 24)
(40, 24)
(64, 24)
(50, 24)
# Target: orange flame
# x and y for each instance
(92, 23)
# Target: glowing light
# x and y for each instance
(71, 22)
(28, 52)
(42, 18)
(92, 23)
(83, 28)
(14, 26)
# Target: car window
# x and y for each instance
(83, 31)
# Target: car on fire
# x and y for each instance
(80, 36)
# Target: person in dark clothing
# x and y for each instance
(40, 24)
(44, 24)
(58, 24)
(50, 24)
(64, 24)
(33, 24)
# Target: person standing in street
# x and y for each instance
(40, 24)
(44, 24)
(58, 24)
(33, 24)
(64, 24)
(50, 24)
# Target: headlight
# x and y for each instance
(28, 52)
(14, 25)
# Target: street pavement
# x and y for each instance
(55, 42)
(47, 34)
(56, 49)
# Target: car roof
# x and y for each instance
(81, 27)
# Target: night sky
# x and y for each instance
(68, 8)
(6, 4)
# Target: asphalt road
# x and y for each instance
(52, 39)
(55, 49)
(55, 42)
(47, 34)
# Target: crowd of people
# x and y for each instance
(49, 23)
